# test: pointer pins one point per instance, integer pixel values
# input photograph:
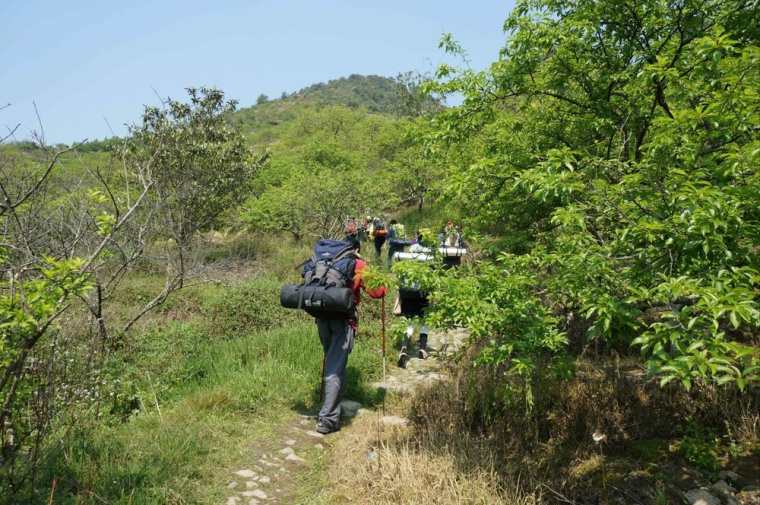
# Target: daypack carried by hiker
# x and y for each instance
(417, 251)
(331, 290)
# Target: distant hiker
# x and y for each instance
(379, 235)
(352, 228)
(364, 229)
(452, 246)
(355, 243)
(413, 302)
(396, 240)
(451, 235)
(331, 290)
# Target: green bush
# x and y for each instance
(699, 447)
(246, 308)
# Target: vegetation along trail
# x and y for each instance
(582, 230)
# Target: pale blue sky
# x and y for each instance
(83, 61)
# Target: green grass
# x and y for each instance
(179, 450)
(433, 216)
(216, 370)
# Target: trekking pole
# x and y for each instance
(322, 380)
(382, 334)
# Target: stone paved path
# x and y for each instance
(269, 475)
(419, 371)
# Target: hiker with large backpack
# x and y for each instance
(396, 240)
(452, 245)
(331, 291)
(379, 235)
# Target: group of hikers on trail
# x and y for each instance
(374, 229)
(333, 280)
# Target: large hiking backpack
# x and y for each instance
(327, 288)
(400, 230)
(399, 240)
(378, 228)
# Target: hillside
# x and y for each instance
(370, 93)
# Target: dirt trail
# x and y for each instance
(275, 467)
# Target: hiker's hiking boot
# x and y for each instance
(325, 429)
(403, 357)
(423, 352)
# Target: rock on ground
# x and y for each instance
(394, 421)
(701, 497)
(749, 496)
(349, 408)
(293, 457)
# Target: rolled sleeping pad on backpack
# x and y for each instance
(452, 251)
(316, 299)
(417, 248)
(417, 256)
(398, 242)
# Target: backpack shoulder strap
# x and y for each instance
(348, 252)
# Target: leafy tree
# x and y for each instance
(71, 235)
(618, 142)
(328, 164)
(414, 98)
(57, 244)
(262, 98)
(202, 167)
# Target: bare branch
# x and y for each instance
(11, 132)
(7, 205)
(171, 285)
(117, 226)
(102, 180)
(39, 121)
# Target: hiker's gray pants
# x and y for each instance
(337, 338)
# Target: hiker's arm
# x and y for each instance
(359, 282)
(375, 293)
